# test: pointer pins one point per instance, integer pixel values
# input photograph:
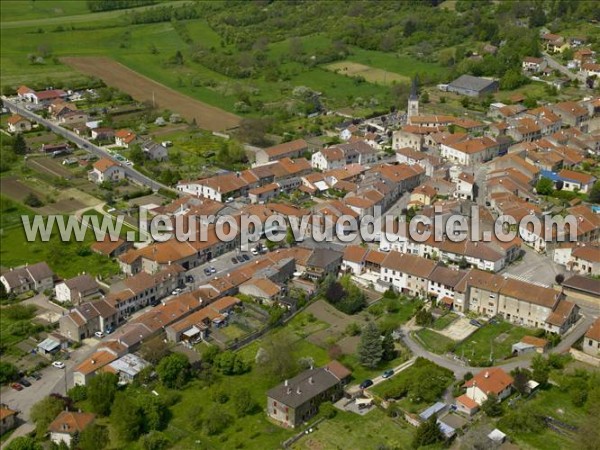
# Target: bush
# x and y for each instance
(78, 393)
(327, 410)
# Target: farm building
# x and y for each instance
(473, 86)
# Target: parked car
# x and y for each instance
(36, 376)
(189, 279)
(99, 334)
(388, 373)
(176, 291)
(234, 260)
(254, 251)
(213, 270)
(207, 271)
(365, 384)
(475, 323)
(16, 387)
(25, 382)
(246, 257)
(58, 364)
(109, 330)
(241, 259)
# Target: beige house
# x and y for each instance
(36, 277)
(106, 170)
(18, 124)
(68, 425)
(591, 340)
(8, 419)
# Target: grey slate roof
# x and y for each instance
(470, 82)
(303, 387)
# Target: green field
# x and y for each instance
(346, 430)
(433, 341)
(444, 321)
(67, 259)
(494, 340)
(49, 30)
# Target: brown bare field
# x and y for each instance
(50, 167)
(15, 189)
(371, 74)
(142, 89)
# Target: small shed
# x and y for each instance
(497, 436)
(49, 346)
(521, 348)
(434, 409)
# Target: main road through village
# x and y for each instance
(84, 144)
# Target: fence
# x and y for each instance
(297, 437)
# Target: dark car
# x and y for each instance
(36, 376)
(475, 323)
(207, 271)
(240, 259)
(246, 257)
(365, 384)
(25, 382)
(388, 373)
(234, 260)
(189, 279)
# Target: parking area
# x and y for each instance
(458, 330)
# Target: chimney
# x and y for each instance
(487, 374)
(93, 361)
(289, 391)
(285, 383)
(311, 381)
(298, 391)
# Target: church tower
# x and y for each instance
(413, 100)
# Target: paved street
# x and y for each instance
(84, 143)
(534, 268)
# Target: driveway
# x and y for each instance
(52, 381)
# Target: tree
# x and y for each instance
(137, 155)
(428, 433)
(541, 369)
(559, 278)
(276, 360)
(93, 437)
(243, 402)
(24, 443)
(216, 421)
(8, 372)
(33, 201)
(174, 370)
(370, 349)
(154, 349)
(101, 392)
(521, 378)
(230, 363)
(290, 239)
(389, 347)
(44, 412)
(155, 440)
(491, 406)
(544, 186)
(126, 417)
(424, 318)
(19, 145)
(209, 354)
(594, 194)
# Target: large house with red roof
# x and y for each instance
(106, 170)
(489, 381)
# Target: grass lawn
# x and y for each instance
(555, 403)
(496, 339)
(391, 313)
(433, 341)
(351, 431)
(444, 321)
(67, 259)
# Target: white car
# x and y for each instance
(99, 334)
(254, 251)
(58, 364)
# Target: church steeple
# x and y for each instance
(413, 99)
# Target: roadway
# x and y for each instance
(100, 152)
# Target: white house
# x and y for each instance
(328, 158)
(18, 124)
(106, 170)
(465, 184)
(76, 290)
(470, 152)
